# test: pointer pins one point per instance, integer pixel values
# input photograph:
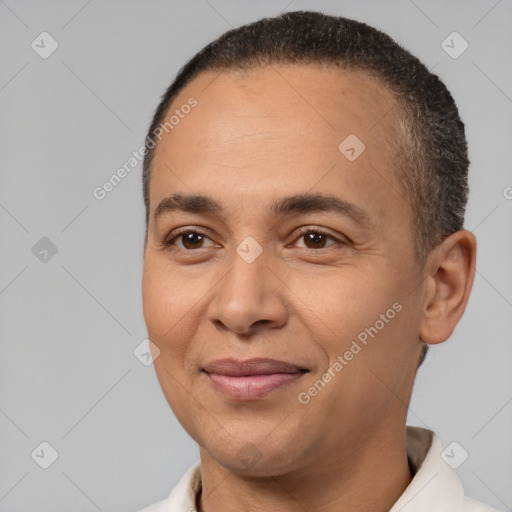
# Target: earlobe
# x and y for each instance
(448, 285)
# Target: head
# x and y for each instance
(281, 128)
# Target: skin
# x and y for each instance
(254, 137)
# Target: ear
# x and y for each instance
(451, 271)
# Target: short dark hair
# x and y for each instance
(431, 153)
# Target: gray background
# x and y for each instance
(69, 325)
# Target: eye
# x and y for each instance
(317, 239)
(188, 239)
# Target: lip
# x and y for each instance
(251, 379)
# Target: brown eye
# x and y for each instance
(187, 240)
(316, 239)
(191, 240)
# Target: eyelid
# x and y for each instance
(168, 241)
(316, 229)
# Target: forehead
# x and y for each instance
(277, 128)
(333, 100)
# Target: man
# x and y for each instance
(305, 184)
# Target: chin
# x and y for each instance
(258, 459)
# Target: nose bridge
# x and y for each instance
(248, 293)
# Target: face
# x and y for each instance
(300, 252)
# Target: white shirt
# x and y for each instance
(435, 487)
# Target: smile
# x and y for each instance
(252, 379)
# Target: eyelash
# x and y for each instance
(169, 241)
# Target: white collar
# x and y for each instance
(434, 486)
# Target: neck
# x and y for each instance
(363, 477)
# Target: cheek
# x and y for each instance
(166, 293)
(342, 302)
(167, 303)
(168, 308)
(362, 317)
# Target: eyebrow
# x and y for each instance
(301, 203)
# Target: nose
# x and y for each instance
(249, 297)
